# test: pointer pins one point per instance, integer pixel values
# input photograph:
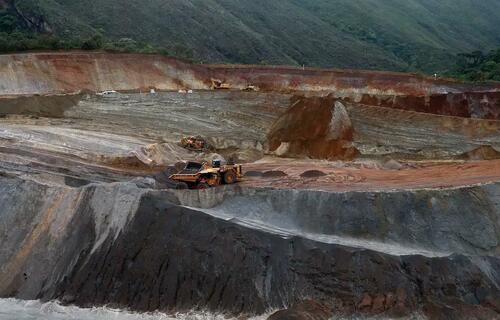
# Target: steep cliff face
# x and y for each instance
(45, 227)
(119, 245)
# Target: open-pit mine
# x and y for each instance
(365, 194)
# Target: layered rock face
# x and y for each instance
(51, 73)
(123, 246)
(429, 222)
(46, 227)
(481, 105)
(329, 128)
(55, 73)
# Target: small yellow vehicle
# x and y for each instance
(196, 175)
(219, 85)
(195, 143)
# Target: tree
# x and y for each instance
(473, 59)
(476, 66)
(93, 43)
(8, 23)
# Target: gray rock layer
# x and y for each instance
(120, 245)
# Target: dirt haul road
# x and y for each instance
(371, 175)
(369, 193)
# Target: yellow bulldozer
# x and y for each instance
(203, 175)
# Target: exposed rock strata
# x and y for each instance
(325, 128)
(47, 73)
(439, 222)
(123, 246)
(482, 105)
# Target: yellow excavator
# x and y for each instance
(219, 85)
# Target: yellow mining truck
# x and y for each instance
(196, 175)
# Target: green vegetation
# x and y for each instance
(410, 35)
(16, 36)
(477, 66)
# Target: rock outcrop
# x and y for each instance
(32, 19)
(123, 246)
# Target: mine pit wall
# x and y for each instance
(123, 246)
(49, 73)
(53, 73)
(329, 128)
(480, 105)
(463, 220)
(46, 227)
(343, 82)
(412, 135)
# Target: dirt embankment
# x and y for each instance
(481, 105)
(316, 128)
(52, 106)
(51, 73)
(347, 82)
(47, 73)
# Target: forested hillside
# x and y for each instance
(410, 35)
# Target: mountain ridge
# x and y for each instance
(415, 35)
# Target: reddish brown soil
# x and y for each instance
(483, 105)
(362, 178)
(278, 78)
(64, 72)
(306, 128)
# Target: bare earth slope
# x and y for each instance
(50, 73)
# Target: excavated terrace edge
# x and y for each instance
(27, 177)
